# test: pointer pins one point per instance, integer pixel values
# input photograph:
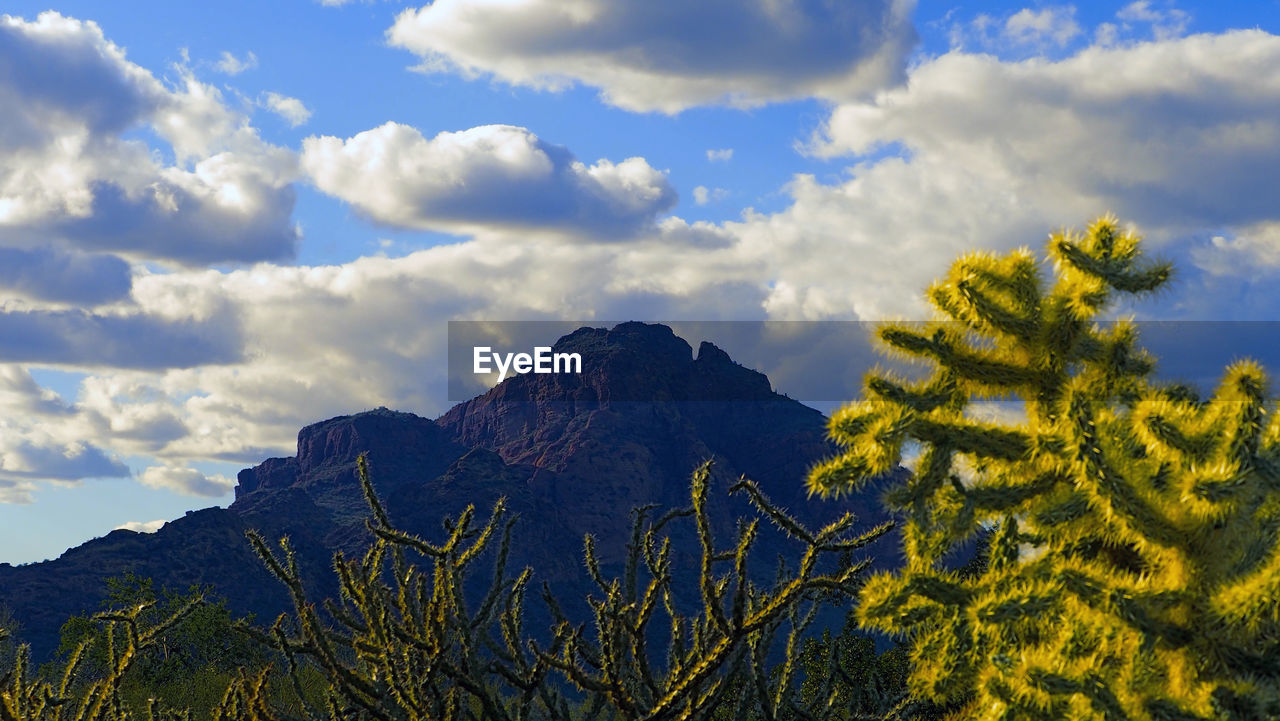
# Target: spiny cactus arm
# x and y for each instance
(1252, 601)
(401, 538)
(780, 519)
(891, 604)
(292, 668)
(985, 371)
(370, 495)
(638, 517)
(493, 707)
(786, 688)
(149, 636)
(1136, 518)
(886, 426)
(939, 391)
(15, 697)
(567, 664)
(344, 617)
(1110, 256)
(614, 668)
(743, 583)
(638, 631)
(943, 660)
(511, 622)
(712, 600)
(486, 533)
(591, 563)
(985, 440)
(353, 687)
(557, 614)
(980, 288)
(1175, 430)
(73, 666)
(245, 698)
(1005, 492)
(655, 563)
(1242, 400)
(697, 708)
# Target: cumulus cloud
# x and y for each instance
(26, 458)
(19, 393)
(78, 337)
(232, 65)
(668, 55)
(492, 176)
(54, 274)
(720, 155)
(1178, 133)
(1250, 251)
(141, 526)
(291, 109)
(1178, 136)
(188, 481)
(71, 175)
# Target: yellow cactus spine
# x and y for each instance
(1132, 529)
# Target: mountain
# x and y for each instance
(573, 454)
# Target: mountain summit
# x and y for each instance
(573, 454)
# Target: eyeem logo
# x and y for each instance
(542, 361)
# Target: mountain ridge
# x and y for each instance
(568, 455)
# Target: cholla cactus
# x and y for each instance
(408, 647)
(1133, 569)
(79, 696)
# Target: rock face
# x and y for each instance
(573, 454)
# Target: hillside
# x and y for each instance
(572, 454)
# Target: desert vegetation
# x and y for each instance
(1126, 567)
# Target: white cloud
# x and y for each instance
(1106, 34)
(492, 176)
(142, 526)
(133, 340)
(721, 155)
(27, 454)
(19, 393)
(55, 274)
(188, 481)
(1017, 34)
(703, 195)
(232, 65)
(291, 109)
(16, 492)
(1179, 135)
(1250, 252)
(1056, 25)
(72, 177)
(658, 55)
(1165, 23)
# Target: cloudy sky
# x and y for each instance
(222, 221)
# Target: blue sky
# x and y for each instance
(222, 221)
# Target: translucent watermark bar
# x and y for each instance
(821, 363)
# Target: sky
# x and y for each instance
(220, 222)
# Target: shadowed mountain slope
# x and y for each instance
(573, 454)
